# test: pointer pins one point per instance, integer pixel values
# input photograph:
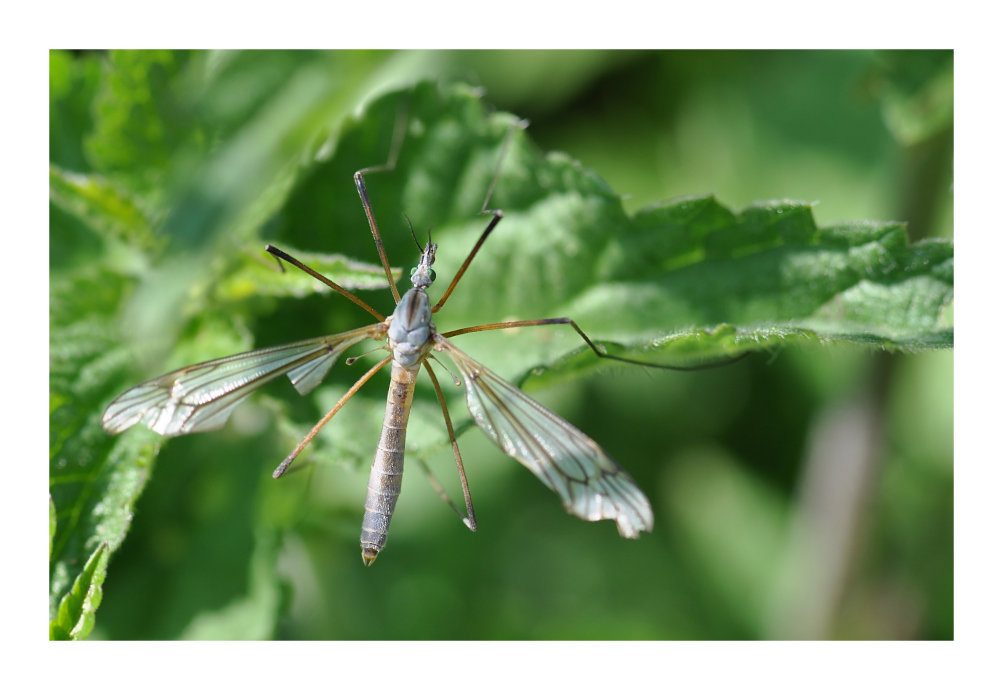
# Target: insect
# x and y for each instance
(202, 396)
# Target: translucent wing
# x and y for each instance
(202, 396)
(589, 482)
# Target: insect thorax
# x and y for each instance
(410, 328)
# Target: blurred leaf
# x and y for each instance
(347, 438)
(254, 616)
(75, 618)
(209, 335)
(52, 524)
(94, 478)
(708, 494)
(141, 117)
(259, 274)
(111, 211)
(281, 109)
(537, 82)
(916, 88)
(73, 82)
(147, 134)
(916, 118)
(318, 91)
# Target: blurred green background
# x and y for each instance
(806, 493)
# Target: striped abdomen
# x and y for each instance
(388, 465)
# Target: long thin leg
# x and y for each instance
(470, 257)
(400, 126)
(520, 124)
(281, 469)
(484, 210)
(595, 348)
(470, 521)
(279, 254)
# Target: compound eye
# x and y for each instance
(415, 268)
(431, 272)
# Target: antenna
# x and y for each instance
(415, 237)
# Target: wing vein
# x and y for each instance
(589, 482)
(201, 397)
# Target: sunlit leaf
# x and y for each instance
(681, 282)
(74, 618)
(111, 211)
(52, 524)
(260, 274)
(94, 479)
(141, 117)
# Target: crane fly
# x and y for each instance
(201, 397)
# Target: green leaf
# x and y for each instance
(315, 93)
(708, 493)
(917, 92)
(259, 274)
(94, 478)
(52, 524)
(218, 138)
(148, 132)
(766, 278)
(72, 84)
(682, 282)
(141, 117)
(252, 617)
(75, 618)
(111, 211)
(347, 438)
